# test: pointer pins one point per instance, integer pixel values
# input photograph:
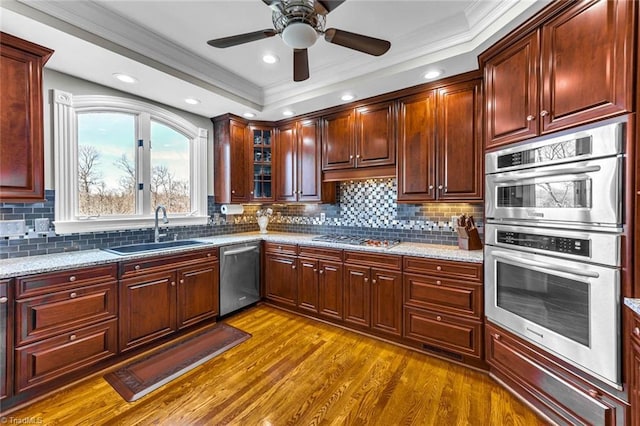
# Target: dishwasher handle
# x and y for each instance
(240, 250)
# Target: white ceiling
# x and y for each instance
(163, 44)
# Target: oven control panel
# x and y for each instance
(575, 246)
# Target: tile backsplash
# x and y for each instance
(365, 208)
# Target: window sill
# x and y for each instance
(101, 225)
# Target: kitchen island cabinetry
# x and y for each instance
(439, 144)
(6, 339)
(21, 122)
(541, 79)
(281, 275)
(183, 290)
(65, 322)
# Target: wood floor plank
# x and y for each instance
(296, 371)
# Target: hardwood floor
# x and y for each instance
(296, 371)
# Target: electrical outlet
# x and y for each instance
(323, 216)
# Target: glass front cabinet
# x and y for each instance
(262, 140)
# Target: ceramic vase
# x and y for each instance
(263, 221)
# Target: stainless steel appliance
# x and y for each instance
(572, 180)
(553, 214)
(356, 240)
(560, 290)
(239, 276)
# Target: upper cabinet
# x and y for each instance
(297, 164)
(439, 144)
(261, 178)
(21, 125)
(233, 157)
(574, 67)
(359, 138)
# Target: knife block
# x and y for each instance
(471, 242)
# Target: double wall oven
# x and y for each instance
(552, 255)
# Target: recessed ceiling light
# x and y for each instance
(192, 101)
(287, 113)
(431, 74)
(249, 114)
(125, 78)
(347, 97)
(270, 58)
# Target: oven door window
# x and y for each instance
(568, 194)
(553, 302)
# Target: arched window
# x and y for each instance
(117, 159)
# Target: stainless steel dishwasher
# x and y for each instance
(239, 276)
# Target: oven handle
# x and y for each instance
(565, 269)
(513, 176)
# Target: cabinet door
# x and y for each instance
(308, 285)
(587, 57)
(260, 163)
(357, 295)
(21, 126)
(386, 301)
(198, 293)
(285, 163)
(634, 380)
(330, 293)
(241, 155)
(375, 135)
(338, 150)
(147, 308)
(459, 129)
(309, 182)
(511, 91)
(6, 340)
(280, 279)
(416, 148)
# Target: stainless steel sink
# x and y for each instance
(146, 247)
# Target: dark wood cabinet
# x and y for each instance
(439, 144)
(233, 151)
(320, 281)
(308, 288)
(281, 273)
(21, 123)
(330, 294)
(338, 137)
(375, 139)
(386, 301)
(261, 182)
(357, 295)
(6, 339)
(297, 165)
(542, 80)
(183, 288)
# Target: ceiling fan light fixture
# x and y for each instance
(299, 35)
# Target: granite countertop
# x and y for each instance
(77, 259)
(634, 304)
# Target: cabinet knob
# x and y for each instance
(374, 281)
(72, 337)
(233, 192)
(72, 278)
(438, 268)
(438, 282)
(321, 271)
(4, 299)
(293, 266)
(358, 156)
(544, 113)
(496, 336)
(137, 267)
(366, 280)
(440, 186)
(593, 393)
(251, 192)
(181, 281)
(636, 330)
(445, 189)
(73, 295)
(315, 270)
(351, 157)
(430, 186)
(438, 318)
(530, 117)
(208, 254)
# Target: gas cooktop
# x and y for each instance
(356, 241)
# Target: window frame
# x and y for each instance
(65, 140)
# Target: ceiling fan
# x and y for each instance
(299, 22)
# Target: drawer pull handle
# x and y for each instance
(208, 254)
(438, 318)
(438, 282)
(439, 268)
(496, 336)
(73, 295)
(636, 331)
(72, 278)
(4, 299)
(72, 337)
(279, 247)
(137, 267)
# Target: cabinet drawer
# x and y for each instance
(143, 266)
(52, 358)
(320, 253)
(443, 295)
(44, 316)
(56, 281)
(279, 248)
(383, 261)
(568, 401)
(444, 331)
(443, 268)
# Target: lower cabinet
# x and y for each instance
(633, 373)
(281, 279)
(549, 385)
(319, 282)
(183, 290)
(6, 339)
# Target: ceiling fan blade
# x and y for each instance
(325, 6)
(242, 38)
(372, 46)
(300, 65)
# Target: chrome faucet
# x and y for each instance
(157, 233)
